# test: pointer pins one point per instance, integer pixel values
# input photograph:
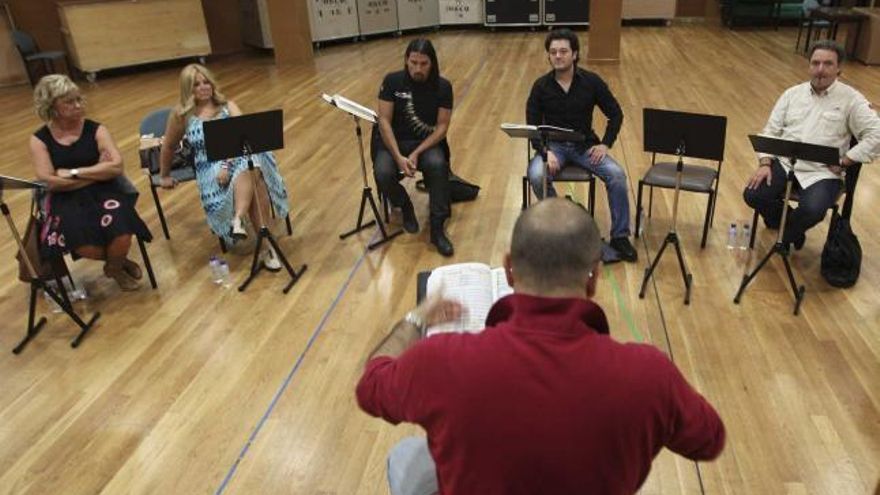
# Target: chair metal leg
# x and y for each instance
(797, 44)
(714, 202)
(386, 208)
(159, 210)
(809, 36)
(638, 228)
(146, 258)
(754, 230)
(29, 68)
(62, 290)
(70, 278)
(289, 226)
(650, 200)
(525, 192)
(592, 198)
(707, 220)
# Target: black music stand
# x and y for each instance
(543, 134)
(37, 283)
(794, 151)
(359, 113)
(680, 134)
(245, 135)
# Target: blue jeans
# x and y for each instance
(607, 170)
(411, 470)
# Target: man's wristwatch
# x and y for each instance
(74, 172)
(415, 320)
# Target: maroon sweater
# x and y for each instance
(542, 401)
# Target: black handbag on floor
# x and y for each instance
(842, 254)
(459, 189)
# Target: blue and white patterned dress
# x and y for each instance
(217, 200)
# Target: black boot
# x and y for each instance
(410, 222)
(439, 239)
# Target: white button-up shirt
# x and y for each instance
(829, 118)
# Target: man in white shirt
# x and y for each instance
(822, 111)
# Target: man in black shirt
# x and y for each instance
(415, 106)
(565, 97)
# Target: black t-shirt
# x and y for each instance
(415, 104)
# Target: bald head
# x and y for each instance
(555, 246)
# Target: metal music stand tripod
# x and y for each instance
(36, 281)
(543, 134)
(681, 134)
(358, 113)
(243, 136)
(795, 151)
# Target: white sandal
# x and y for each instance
(238, 231)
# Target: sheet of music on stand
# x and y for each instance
(549, 132)
(525, 127)
(475, 285)
(351, 107)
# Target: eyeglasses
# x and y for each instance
(72, 100)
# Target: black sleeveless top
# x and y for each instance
(82, 153)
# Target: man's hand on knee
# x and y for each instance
(763, 174)
(553, 163)
(597, 153)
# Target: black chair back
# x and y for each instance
(24, 42)
(703, 135)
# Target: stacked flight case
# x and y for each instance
(461, 12)
(377, 16)
(512, 12)
(566, 12)
(340, 19)
(333, 19)
(414, 14)
(537, 12)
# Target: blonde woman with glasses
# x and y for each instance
(88, 212)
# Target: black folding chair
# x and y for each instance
(33, 57)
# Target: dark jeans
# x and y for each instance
(814, 202)
(435, 171)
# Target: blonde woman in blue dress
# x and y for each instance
(226, 191)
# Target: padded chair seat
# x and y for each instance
(183, 174)
(573, 174)
(44, 56)
(694, 178)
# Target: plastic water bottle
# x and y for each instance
(73, 294)
(214, 264)
(51, 302)
(224, 274)
(731, 236)
(745, 236)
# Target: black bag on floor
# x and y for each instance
(459, 189)
(842, 254)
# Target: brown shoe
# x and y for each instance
(123, 279)
(132, 269)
